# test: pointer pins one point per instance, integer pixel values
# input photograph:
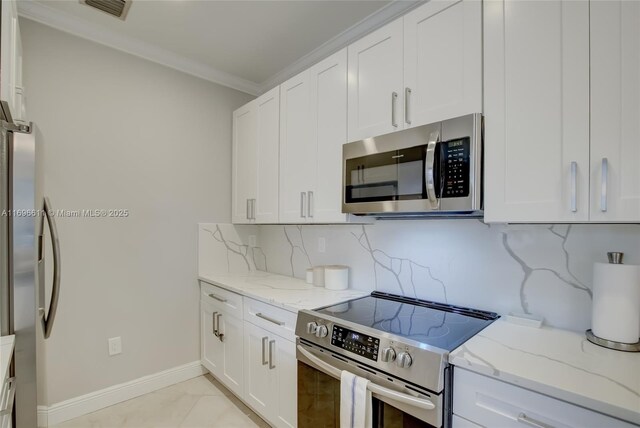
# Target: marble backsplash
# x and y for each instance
(544, 270)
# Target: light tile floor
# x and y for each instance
(201, 402)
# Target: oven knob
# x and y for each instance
(388, 355)
(311, 327)
(322, 331)
(404, 360)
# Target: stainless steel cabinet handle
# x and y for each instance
(407, 105)
(429, 169)
(267, 318)
(524, 419)
(272, 364)
(220, 334)
(48, 319)
(394, 98)
(215, 323)
(603, 194)
(248, 208)
(303, 197)
(253, 209)
(574, 186)
(218, 298)
(265, 361)
(310, 204)
(7, 408)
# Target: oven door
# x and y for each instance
(395, 403)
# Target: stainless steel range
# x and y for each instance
(400, 344)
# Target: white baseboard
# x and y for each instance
(78, 406)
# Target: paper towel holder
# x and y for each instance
(614, 258)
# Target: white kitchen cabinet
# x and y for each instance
(328, 133)
(375, 83)
(297, 151)
(313, 122)
(268, 134)
(222, 341)
(258, 377)
(442, 61)
(488, 402)
(211, 347)
(244, 165)
(256, 133)
(536, 106)
(286, 383)
(615, 111)
(231, 335)
(11, 89)
(270, 376)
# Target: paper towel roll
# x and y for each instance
(336, 277)
(616, 302)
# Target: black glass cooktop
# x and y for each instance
(436, 324)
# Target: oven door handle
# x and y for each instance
(381, 391)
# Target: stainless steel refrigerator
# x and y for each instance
(24, 311)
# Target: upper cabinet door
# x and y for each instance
(536, 82)
(268, 132)
(297, 151)
(442, 61)
(244, 163)
(329, 133)
(615, 111)
(375, 83)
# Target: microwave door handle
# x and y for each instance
(421, 403)
(429, 170)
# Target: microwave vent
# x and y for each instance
(117, 8)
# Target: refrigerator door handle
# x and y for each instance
(47, 320)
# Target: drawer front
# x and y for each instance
(493, 403)
(273, 319)
(221, 299)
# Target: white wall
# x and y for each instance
(121, 132)
(544, 270)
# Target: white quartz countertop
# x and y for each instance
(286, 292)
(559, 363)
(6, 349)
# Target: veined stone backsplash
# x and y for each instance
(544, 270)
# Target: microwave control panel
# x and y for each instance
(455, 158)
(357, 343)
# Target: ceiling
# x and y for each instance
(251, 40)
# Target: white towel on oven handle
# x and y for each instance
(355, 401)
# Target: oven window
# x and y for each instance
(389, 176)
(319, 404)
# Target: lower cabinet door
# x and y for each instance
(285, 365)
(258, 392)
(211, 347)
(458, 422)
(231, 330)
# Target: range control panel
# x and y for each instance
(456, 172)
(357, 343)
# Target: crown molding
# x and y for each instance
(68, 23)
(372, 22)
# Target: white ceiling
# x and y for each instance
(251, 40)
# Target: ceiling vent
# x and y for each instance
(117, 8)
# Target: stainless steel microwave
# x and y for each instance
(434, 169)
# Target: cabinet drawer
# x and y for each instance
(221, 299)
(493, 403)
(458, 422)
(273, 319)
